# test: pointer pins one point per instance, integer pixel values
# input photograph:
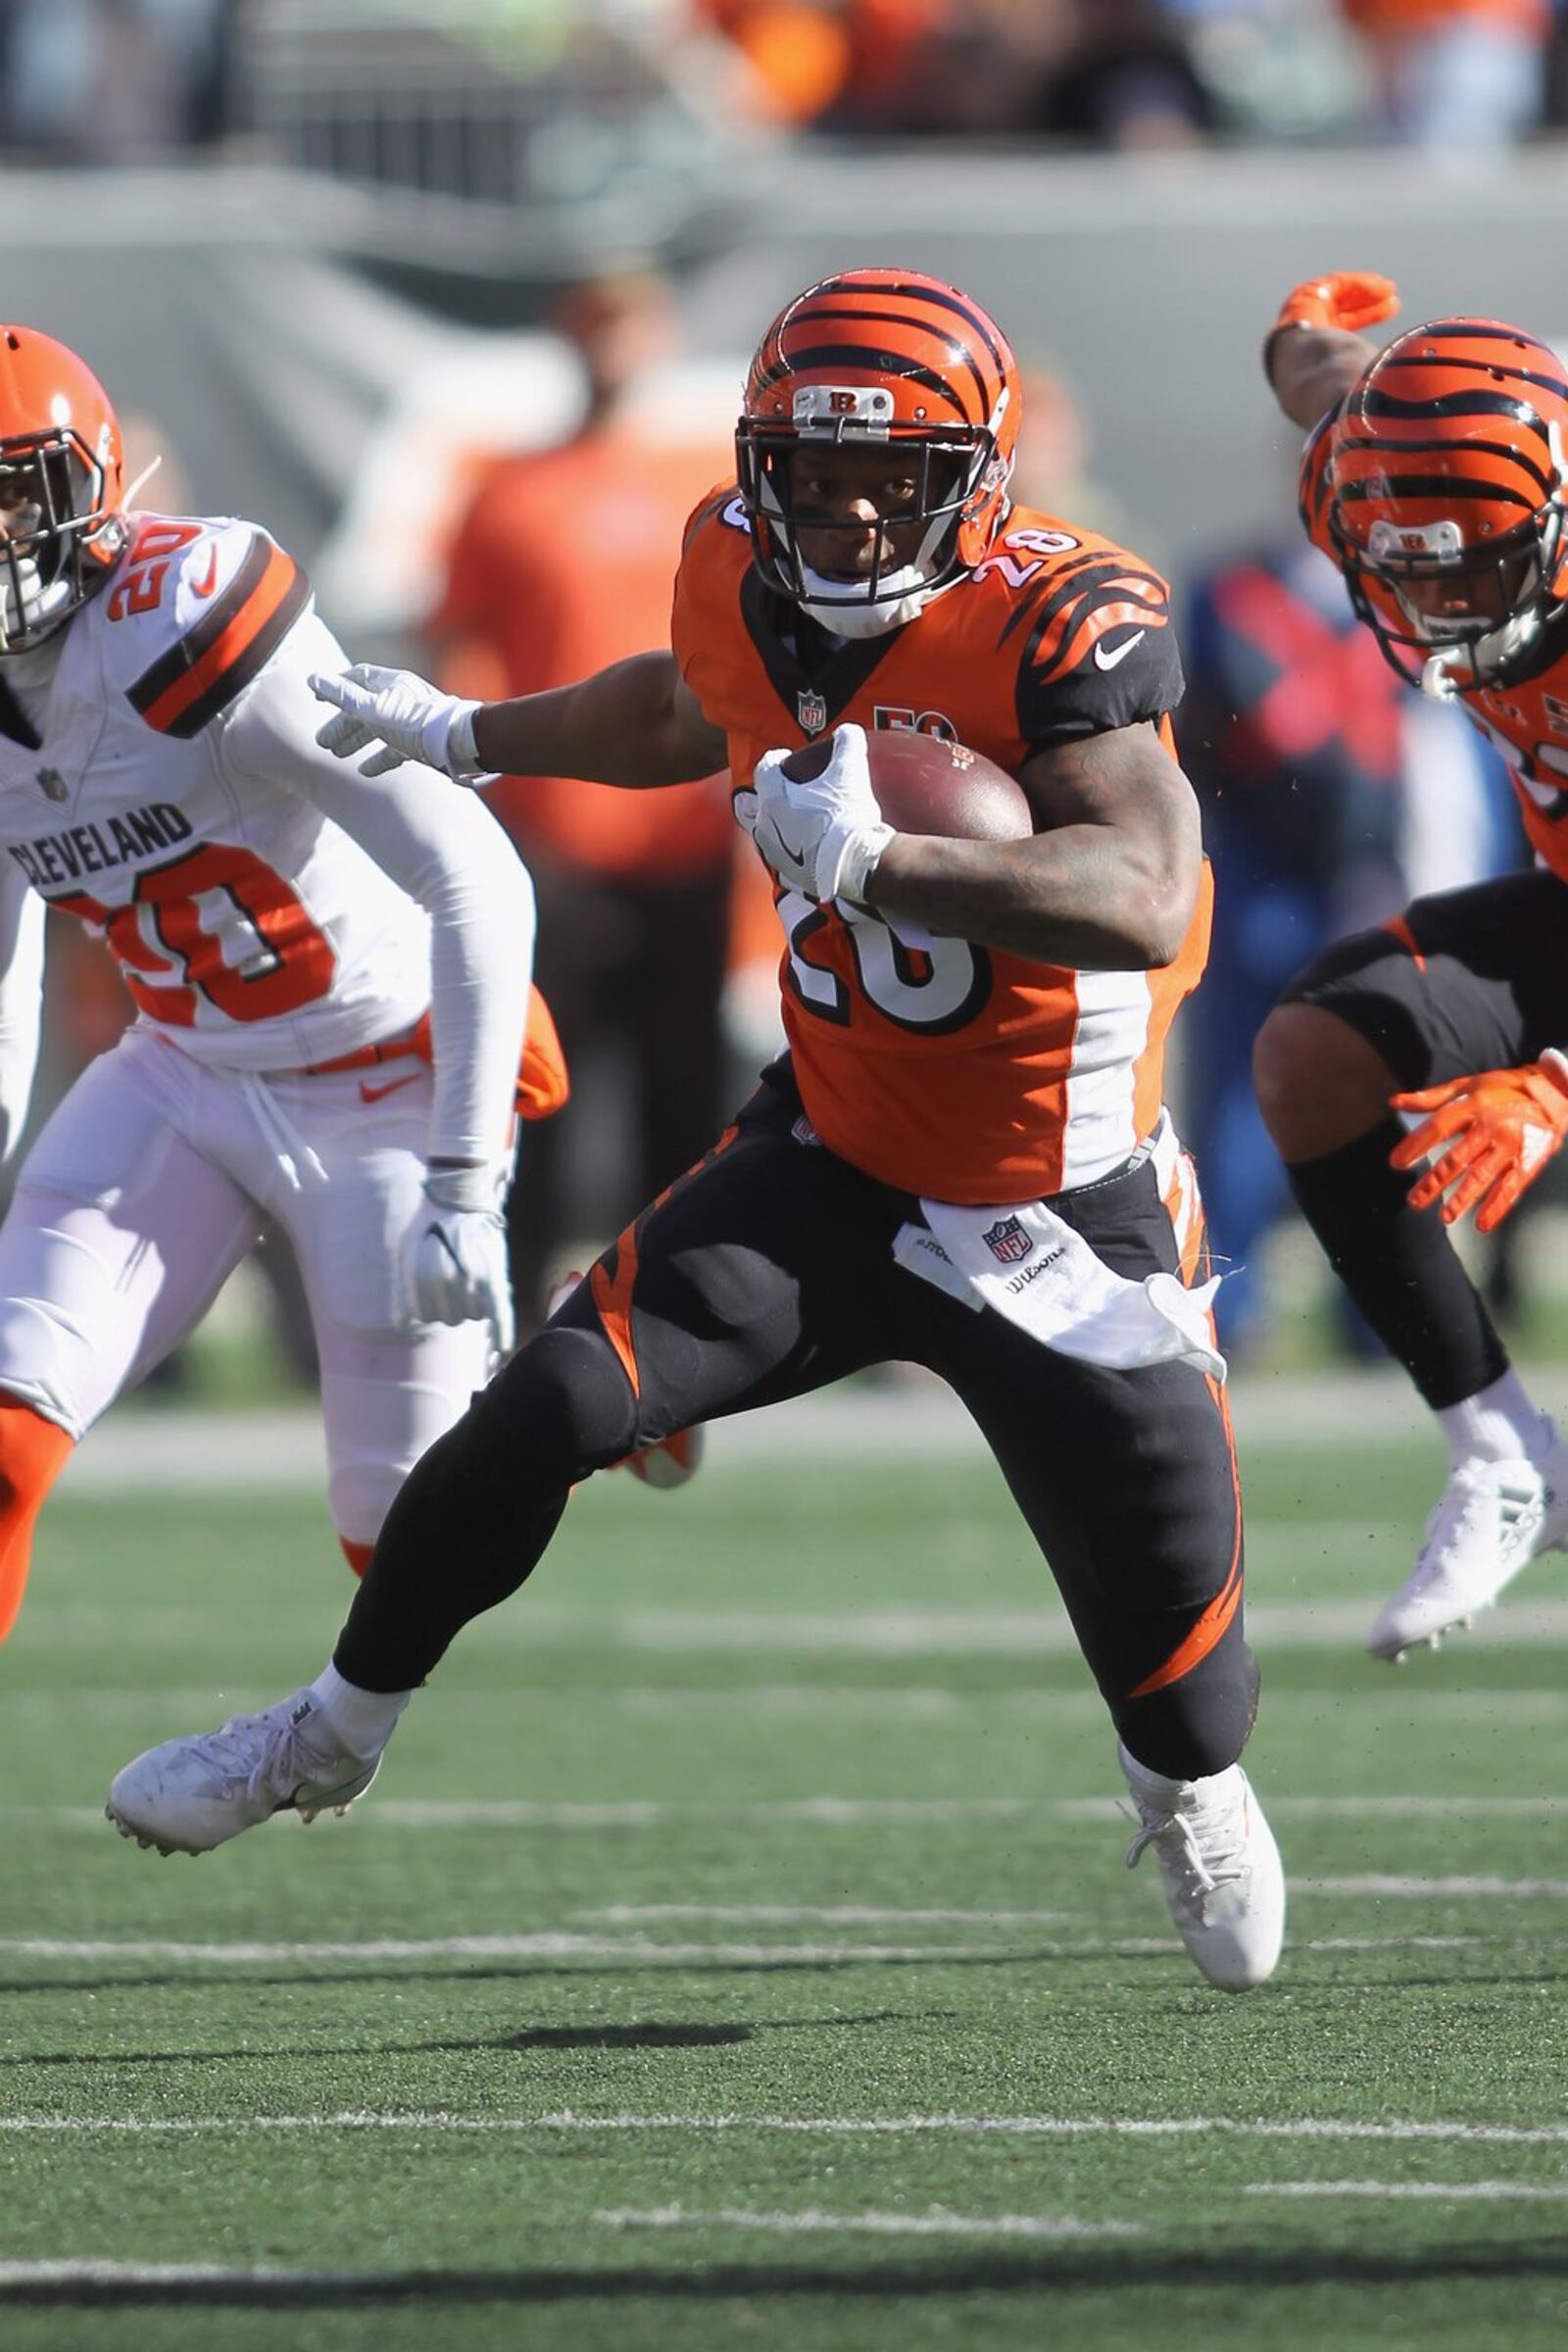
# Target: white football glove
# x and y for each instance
(825, 837)
(404, 717)
(451, 1262)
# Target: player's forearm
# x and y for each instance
(1082, 896)
(1312, 367)
(624, 725)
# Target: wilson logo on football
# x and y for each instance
(1007, 1241)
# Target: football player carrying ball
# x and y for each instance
(962, 1158)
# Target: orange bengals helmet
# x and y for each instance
(62, 470)
(1445, 480)
(874, 357)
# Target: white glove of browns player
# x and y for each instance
(824, 837)
(451, 1262)
(404, 717)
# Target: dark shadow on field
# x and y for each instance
(655, 2037)
(1118, 2268)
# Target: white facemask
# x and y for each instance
(36, 605)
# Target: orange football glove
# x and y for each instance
(1350, 299)
(1493, 1134)
(1347, 299)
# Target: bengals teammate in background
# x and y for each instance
(975, 1032)
(1435, 477)
(331, 981)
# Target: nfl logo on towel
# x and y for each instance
(811, 709)
(1007, 1241)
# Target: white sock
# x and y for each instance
(1152, 1787)
(1499, 1423)
(362, 1720)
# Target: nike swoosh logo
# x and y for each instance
(788, 847)
(208, 580)
(1107, 657)
(374, 1093)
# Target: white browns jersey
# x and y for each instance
(250, 928)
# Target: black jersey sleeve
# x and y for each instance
(1098, 651)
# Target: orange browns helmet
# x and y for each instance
(1445, 480)
(61, 481)
(882, 356)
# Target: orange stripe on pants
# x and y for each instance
(612, 1294)
(1215, 1622)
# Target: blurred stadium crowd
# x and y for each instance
(84, 82)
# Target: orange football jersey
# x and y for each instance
(1527, 720)
(959, 1073)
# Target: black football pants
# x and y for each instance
(767, 1271)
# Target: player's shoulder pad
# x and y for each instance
(1096, 649)
(714, 559)
(720, 508)
(196, 608)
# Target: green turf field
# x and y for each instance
(736, 1951)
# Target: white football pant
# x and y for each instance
(149, 1184)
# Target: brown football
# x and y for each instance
(925, 784)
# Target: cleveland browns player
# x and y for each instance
(330, 981)
(971, 1094)
(1416, 1073)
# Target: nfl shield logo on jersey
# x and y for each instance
(1007, 1241)
(52, 784)
(811, 709)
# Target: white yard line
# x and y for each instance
(1444, 2192)
(172, 2274)
(855, 1915)
(808, 2222)
(703, 1632)
(832, 2127)
(936, 2224)
(544, 1945)
(834, 1915)
(1434, 1890)
(915, 1702)
(643, 1950)
(838, 1812)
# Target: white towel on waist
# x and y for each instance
(1034, 1268)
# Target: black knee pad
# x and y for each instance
(562, 1407)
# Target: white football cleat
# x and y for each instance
(191, 1794)
(1223, 1881)
(1492, 1518)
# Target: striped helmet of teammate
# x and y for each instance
(61, 486)
(1446, 481)
(885, 361)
